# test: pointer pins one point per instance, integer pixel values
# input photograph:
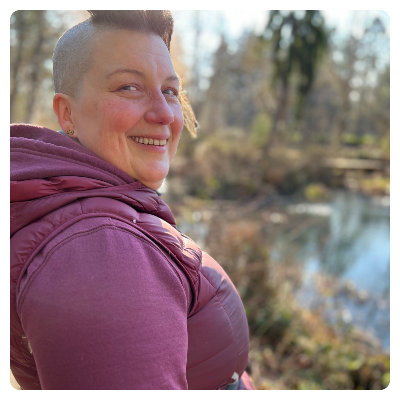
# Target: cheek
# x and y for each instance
(119, 116)
(177, 127)
(178, 121)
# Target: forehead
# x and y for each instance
(114, 49)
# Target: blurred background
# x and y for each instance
(287, 184)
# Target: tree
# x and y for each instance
(355, 68)
(298, 42)
(231, 98)
(34, 35)
(344, 75)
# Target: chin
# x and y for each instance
(152, 185)
(153, 182)
(154, 176)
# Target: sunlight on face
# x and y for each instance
(128, 112)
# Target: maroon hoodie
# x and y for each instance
(105, 292)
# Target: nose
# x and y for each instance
(159, 111)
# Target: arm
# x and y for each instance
(106, 310)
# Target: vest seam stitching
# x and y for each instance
(233, 331)
(215, 354)
(90, 196)
(80, 234)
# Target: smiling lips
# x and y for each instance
(153, 142)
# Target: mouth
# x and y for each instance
(149, 141)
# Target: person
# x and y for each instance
(106, 293)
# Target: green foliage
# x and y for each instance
(299, 43)
(260, 129)
(309, 385)
(368, 139)
(315, 192)
(296, 137)
(375, 185)
(351, 139)
(385, 380)
(230, 166)
(310, 355)
(385, 144)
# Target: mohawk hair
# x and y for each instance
(161, 23)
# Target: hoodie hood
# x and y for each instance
(49, 170)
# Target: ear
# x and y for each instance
(62, 106)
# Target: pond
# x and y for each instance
(343, 249)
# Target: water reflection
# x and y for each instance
(347, 240)
(342, 249)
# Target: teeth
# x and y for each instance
(150, 141)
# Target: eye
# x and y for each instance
(172, 92)
(129, 88)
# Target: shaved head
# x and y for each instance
(73, 55)
(73, 58)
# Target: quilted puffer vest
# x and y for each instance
(217, 327)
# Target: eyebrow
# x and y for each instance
(139, 73)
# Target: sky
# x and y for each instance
(234, 22)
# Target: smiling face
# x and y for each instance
(129, 98)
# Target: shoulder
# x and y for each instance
(100, 284)
(107, 252)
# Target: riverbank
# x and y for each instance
(308, 353)
(237, 169)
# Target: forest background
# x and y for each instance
(294, 117)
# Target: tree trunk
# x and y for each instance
(279, 122)
(37, 66)
(195, 73)
(20, 29)
(341, 117)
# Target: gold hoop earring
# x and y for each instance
(69, 132)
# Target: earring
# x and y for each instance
(69, 132)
